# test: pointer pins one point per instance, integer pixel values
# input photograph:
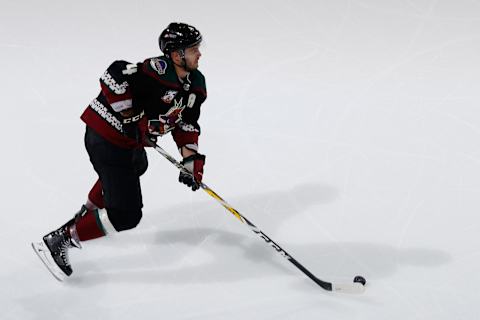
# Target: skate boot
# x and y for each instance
(53, 250)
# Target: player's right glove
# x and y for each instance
(194, 164)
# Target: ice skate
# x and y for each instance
(53, 250)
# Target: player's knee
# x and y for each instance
(125, 220)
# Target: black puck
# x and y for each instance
(360, 279)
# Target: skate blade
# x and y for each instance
(44, 254)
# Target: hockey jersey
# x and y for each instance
(155, 99)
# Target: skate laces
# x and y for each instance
(64, 244)
(64, 256)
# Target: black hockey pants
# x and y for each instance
(119, 171)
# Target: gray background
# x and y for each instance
(348, 131)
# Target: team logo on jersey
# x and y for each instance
(191, 100)
(167, 122)
(169, 96)
(173, 115)
(159, 65)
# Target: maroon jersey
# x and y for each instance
(160, 101)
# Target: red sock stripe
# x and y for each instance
(96, 195)
(88, 228)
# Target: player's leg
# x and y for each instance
(95, 197)
(118, 189)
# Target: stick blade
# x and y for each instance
(353, 288)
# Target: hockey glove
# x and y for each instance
(194, 164)
(130, 123)
(130, 130)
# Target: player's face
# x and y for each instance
(192, 55)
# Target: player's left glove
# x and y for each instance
(194, 164)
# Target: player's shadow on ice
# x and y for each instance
(196, 256)
(203, 254)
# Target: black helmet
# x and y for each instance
(178, 36)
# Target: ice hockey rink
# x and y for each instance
(347, 131)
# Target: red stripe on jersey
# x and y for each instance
(113, 97)
(154, 75)
(97, 123)
(200, 91)
(172, 85)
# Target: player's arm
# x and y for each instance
(116, 87)
(185, 152)
(186, 136)
(116, 84)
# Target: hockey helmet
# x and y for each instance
(178, 36)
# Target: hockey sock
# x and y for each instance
(95, 197)
(89, 226)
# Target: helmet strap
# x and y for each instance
(183, 64)
(184, 61)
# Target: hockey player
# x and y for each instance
(160, 95)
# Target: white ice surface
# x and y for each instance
(348, 131)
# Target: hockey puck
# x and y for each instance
(360, 279)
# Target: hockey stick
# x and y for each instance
(358, 283)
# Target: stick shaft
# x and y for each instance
(325, 285)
